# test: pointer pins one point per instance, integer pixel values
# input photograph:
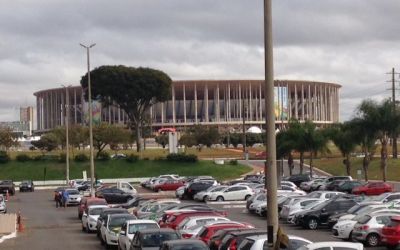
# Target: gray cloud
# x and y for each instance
(353, 43)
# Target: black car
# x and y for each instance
(319, 215)
(333, 219)
(114, 195)
(347, 186)
(298, 178)
(26, 185)
(105, 213)
(7, 186)
(334, 185)
(188, 244)
(233, 239)
(196, 187)
(215, 239)
(152, 238)
(134, 202)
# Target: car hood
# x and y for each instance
(74, 196)
(345, 223)
(346, 217)
(337, 216)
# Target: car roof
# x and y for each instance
(121, 215)
(97, 206)
(141, 222)
(337, 244)
(157, 230)
(184, 242)
(251, 231)
(112, 209)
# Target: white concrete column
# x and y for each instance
(162, 113)
(218, 113)
(173, 104)
(206, 102)
(195, 103)
(302, 102)
(296, 104)
(240, 102)
(261, 104)
(250, 104)
(229, 103)
(184, 104)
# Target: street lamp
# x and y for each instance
(66, 120)
(90, 120)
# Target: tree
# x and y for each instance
(47, 143)
(106, 134)
(315, 141)
(342, 135)
(78, 136)
(59, 133)
(284, 147)
(380, 118)
(7, 139)
(297, 135)
(134, 90)
(188, 140)
(162, 140)
(206, 136)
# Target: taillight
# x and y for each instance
(186, 236)
(364, 227)
(233, 244)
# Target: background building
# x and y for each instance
(217, 102)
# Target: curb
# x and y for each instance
(7, 237)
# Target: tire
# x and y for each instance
(312, 224)
(205, 198)
(101, 240)
(220, 198)
(87, 229)
(373, 240)
(246, 197)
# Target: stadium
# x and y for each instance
(223, 103)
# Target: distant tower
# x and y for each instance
(26, 116)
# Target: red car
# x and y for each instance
(176, 218)
(373, 188)
(168, 185)
(209, 230)
(390, 235)
(88, 201)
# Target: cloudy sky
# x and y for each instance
(350, 42)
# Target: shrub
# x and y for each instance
(38, 158)
(103, 156)
(81, 158)
(132, 158)
(23, 157)
(233, 162)
(160, 158)
(146, 159)
(4, 158)
(182, 157)
(62, 157)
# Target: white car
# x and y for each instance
(232, 193)
(325, 195)
(291, 190)
(189, 226)
(332, 245)
(89, 217)
(3, 206)
(367, 210)
(179, 192)
(203, 195)
(153, 207)
(129, 228)
(288, 183)
(258, 242)
(295, 206)
(111, 227)
(74, 197)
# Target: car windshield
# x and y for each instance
(133, 228)
(312, 205)
(363, 219)
(156, 239)
(314, 195)
(118, 221)
(26, 182)
(189, 247)
(321, 205)
(73, 192)
(379, 197)
(217, 189)
(354, 209)
(96, 211)
(261, 197)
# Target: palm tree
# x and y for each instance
(342, 136)
(296, 134)
(380, 118)
(284, 147)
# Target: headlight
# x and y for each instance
(29, 186)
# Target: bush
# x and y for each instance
(233, 162)
(146, 159)
(23, 157)
(103, 156)
(62, 157)
(81, 158)
(182, 157)
(132, 158)
(38, 158)
(4, 158)
(160, 158)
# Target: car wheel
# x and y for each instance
(101, 240)
(350, 236)
(312, 224)
(220, 198)
(373, 240)
(205, 198)
(87, 229)
(247, 196)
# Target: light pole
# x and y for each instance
(90, 120)
(270, 163)
(66, 117)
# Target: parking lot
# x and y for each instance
(48, 227)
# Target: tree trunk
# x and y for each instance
(311, 164)
(348, 165)
(394, 149)
(301, 162)
(366, 161)
(384, 142)
(290, 163)
(137, 137)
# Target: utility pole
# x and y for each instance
(244, 131)
(270, 163)
(394, 135)
(67, 132)
(92, 175)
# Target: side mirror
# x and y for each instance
(122, 233)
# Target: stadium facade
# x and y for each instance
(205, 102)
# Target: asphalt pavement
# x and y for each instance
(48, 227)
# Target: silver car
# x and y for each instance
(74, 197)
(368, 227)
(203, 195)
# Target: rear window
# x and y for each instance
(394, 223)
(364, 219)
(189, 247)
(156, 239)
(133, 228)
(73, 192)
(96, 211)
(203, 232)
(246, 244)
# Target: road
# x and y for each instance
(49, 228)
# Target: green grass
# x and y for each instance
(117, 169)
(335, 167)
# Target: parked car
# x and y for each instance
(232, 240)
(114, 195)
(209, 230)
(307, 185)
(176, 218)
(74, 197)
(203, 195)
(90, 216)
(26, 185)
(7, 186)
(150, 239)
(347, 186)
(390, 235)
(333, 245)
(328, 180)
(318, 216)
(129, 228)
(195, 187)
(3, 206)
(299, 204)
(216, 239)
(153, 206)
(298, 178)
(111, 227)
(189, 244)
(235, 192)
(368, 227)
(192, 225)
(386, 197)
(259, 241)
(373, 188)
(104, 215)
(132, 203)
(168, 185)
(254, 201)
(89, 201)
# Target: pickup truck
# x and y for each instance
(7, 185)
